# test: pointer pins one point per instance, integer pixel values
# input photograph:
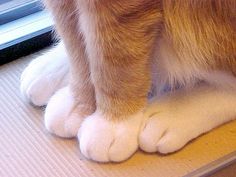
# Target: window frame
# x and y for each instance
(26, 29)
(14, 10)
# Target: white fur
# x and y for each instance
(169, 70)
(61, 117)
(106, 140)
(45, 75)
(174, 121)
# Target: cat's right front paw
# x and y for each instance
(63, 114)
(44, 76)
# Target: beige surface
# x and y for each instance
(26, 149)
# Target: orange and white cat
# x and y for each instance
(115, 55)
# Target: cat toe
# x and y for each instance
(151, 134)
(170, 142)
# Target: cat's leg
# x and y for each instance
(70, 105)
(45, 75)
(175, 120)
(119, 53)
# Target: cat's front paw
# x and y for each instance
(44, 76)
(62, 115)
(105, 140)
(167, 130)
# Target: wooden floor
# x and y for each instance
(28, 150)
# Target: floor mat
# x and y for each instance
(28, 150)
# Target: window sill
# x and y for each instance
(25, 28)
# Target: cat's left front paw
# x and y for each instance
(105, 140)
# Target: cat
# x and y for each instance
(140, 73)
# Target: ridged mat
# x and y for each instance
(28, 150)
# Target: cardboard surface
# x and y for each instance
(28, 150)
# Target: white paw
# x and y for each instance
(61, 114)
(168, 128)
(45, 75)
(104, 140)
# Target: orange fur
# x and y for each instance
(203, 32)
(66, 18)
(112, 45)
